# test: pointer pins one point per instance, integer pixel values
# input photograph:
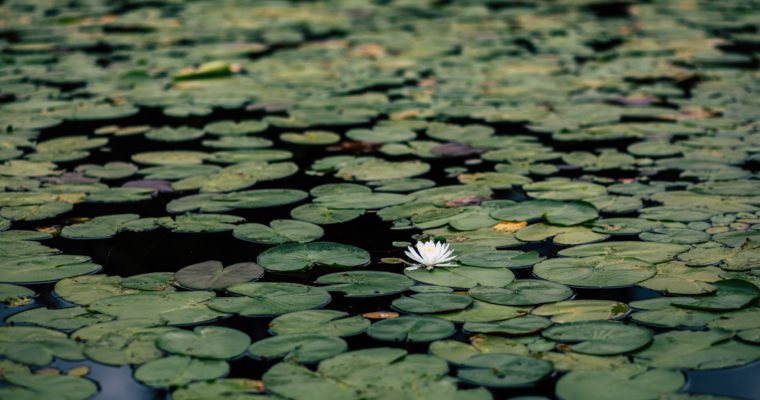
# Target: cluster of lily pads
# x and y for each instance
(591, 165)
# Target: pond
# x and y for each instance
(357, 199)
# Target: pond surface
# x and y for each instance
(354, 199)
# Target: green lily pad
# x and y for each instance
(483, 312)
(121, 342)
(310, 138)
(555, 212)
(173, 308)
(279, 231)
(411, 329)
(500, 259)
(299, 348)
(430, 303)
(323, 322)
(208, 342)
(45, 268)
(648, 252)
(37, 346)
(266, 299)
(295, 257)
(595, 271)
(582, 310)
(365, 283)
(26, 386)
(462, 277)
(697, 350)
(173, 371)
(62, 319)
(520, 326)
(523, 292)
(731, 294)
(323, 215)
(630, 383)
(14, 295)
(503, 370)
(601, 338)
(219, 389)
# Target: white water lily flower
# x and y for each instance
(430, 254)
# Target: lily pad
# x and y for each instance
(601, 338)
(209, 342)
(503, 370)
(323, 322)
(411, 329)
(176, 371)
(279, 231)
(300, 348)
(265, 299)
(295, 257)
(365, 283)
(213, 275)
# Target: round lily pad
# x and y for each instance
(323, 322)
(323, 215)
(462, 276)
(62, 318)
(300, 348)
(527, 325)
(211, 342)
(648, 252)
(523, 292)
(365, 283)
(582, 310)
(174, 371)
(430, 303)
(503, 370)
(629, 383)
(295, 257)
(174, 308)
(500, 259)
(595, 272)
(279, 231)
(121, 342)
(44, 269)
(697, 350)
(27, 386)
(311, 138)
(411, 329)
(601, 338)
(265, 299)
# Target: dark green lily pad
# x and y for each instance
(208, 342)
(500, 259)
(601, 338)
(279, 231)
(520, 326)
(462, 276)
(523, 292)
(431, 303)
(173, 308)
(296, 257)
(323, 322)
(173, 371)
(631, 382)
(503, 370)
(411, 329)
(365, 283)
(263, 299)
(299, 348)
